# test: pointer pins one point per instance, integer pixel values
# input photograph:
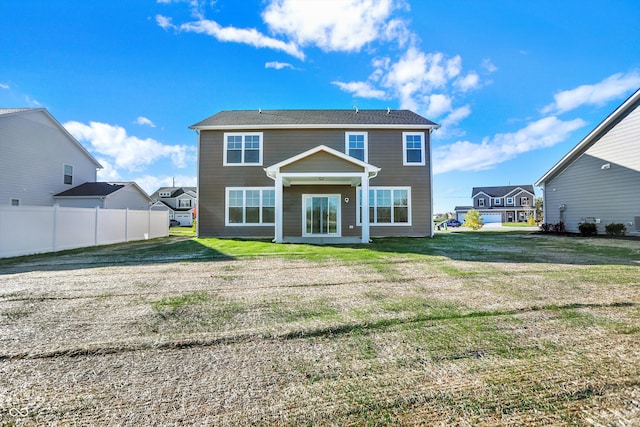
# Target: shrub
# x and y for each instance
(559, 228)
(473, 220)
(615, 230)
(588, 229)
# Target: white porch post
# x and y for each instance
(364, 216)
(278, 212)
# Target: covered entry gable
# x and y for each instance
(321, 165)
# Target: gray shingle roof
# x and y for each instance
(89, 189)
(500, 191)
(175, 191)
(272, 118)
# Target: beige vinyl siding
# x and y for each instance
(385, 151)
(322, 162)
(612, 194)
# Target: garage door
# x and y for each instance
(185, 219)
(491, 218)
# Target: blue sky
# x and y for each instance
(514, 84)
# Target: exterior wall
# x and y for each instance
(80, 202)
(128, 197)
(589, 192)
(34, 151)
(385, 151)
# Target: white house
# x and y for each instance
(39, 158)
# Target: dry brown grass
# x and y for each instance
(410, 340)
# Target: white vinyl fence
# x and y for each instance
(28, 230)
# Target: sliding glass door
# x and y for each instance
(321, 215)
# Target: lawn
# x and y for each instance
(485, 328)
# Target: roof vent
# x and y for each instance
(388, 110)
(356, 107)
(259, 110)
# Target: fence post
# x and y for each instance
(96, 227)
(126, 225)
(55, 224)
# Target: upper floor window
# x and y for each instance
(164, 194)
(510, 200)
(524, 201)
(184, 203)
(481, 203)
(15, 202)
(68, 174)
(242, 149)
(413, 148)
(356, 145)
(497, 201)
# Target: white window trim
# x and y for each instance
(509, 201)
(422, 150)
(338, 232)
(244, 199)
(523, 198)
(371, 203)
(497, 201)
(243, 134)
(481, 203)
(366, 144)
(64, 174)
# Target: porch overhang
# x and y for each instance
(334, 168)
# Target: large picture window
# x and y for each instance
(356, 145)
(242, 149)
(387, 206)
(250, 206)
(413, 148)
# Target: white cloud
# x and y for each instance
(127, 152)
(468, 82)
(438, 104)
(469, 156)
(249, 36)
(339, 25)
(144, 122)
(613, 87)
(278, 65)
(108, 172)
(4, 86)
(488, 65)
(361, 89)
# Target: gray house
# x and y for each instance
(39, 158)
(507, 203)
(599, 179)
(309, 175)
(180, 202)
(105, 195)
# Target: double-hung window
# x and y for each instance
(387, 206)
(184, 203)
(413, 144)
(250, 206)
(356, 145)
(68, 174)
(497, 201)
(481, 203)
(242, 149)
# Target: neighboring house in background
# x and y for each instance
(180, 202)
(510, 203)
(39, 158)
(599, 179)
(307, 175)
(105, 195)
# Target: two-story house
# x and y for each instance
(39, 158)
(315, 175)
(598, 181)
(180, 202)
(509, 203)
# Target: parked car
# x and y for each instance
(174, 223)
(453, 223)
